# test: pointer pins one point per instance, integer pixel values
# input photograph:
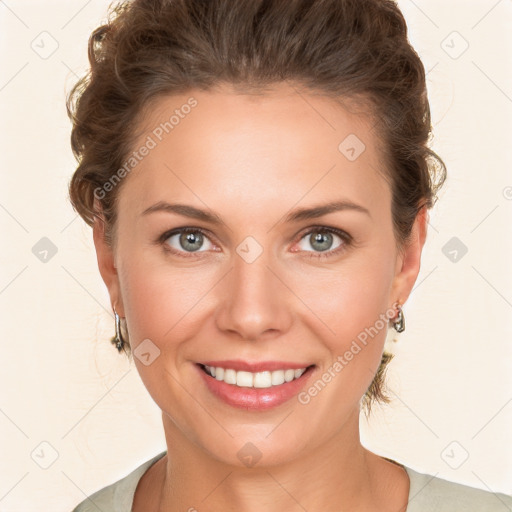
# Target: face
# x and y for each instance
(256, 280)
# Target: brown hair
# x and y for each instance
(349, 50)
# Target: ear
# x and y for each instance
(409, 260)
(106, 261)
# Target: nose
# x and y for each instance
(254, 303)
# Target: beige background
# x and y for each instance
(63, 384)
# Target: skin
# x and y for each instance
(252, 159)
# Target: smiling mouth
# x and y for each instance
(264, 379)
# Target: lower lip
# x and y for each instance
(255, 399)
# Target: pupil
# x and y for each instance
(318, 237)
(188, 240)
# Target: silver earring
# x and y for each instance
(118, 340)
(399, 323)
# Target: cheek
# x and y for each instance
(159, 305)
(353, 298)
(163, 302)
(352, 306)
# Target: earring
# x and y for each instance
(399, 323)
(118, 340)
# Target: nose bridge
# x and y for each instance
(253, 301)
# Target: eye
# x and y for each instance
(185, 240)
(321, 239)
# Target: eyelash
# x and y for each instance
(346, 238)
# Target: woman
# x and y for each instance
(258, 181)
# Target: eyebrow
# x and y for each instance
(324, 209)
(297, 215)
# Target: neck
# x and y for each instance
(352, 478)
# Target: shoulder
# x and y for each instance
(429, 493)
(117, 496)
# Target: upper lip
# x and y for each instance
(256, 366)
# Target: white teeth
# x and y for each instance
(230, 376)
(277, 378)
(289, 375)
(244, 379)
(298, 373)
(263, 379)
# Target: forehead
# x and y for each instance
(280, 145)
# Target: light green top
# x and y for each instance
(427, 493)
